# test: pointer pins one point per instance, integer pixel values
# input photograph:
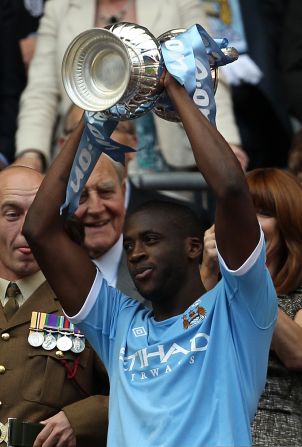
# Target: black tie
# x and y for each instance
(11, 305)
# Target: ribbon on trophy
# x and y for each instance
(187, 57)
(94, 141)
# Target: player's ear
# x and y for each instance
(194, 247)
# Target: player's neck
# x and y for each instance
(179, 302)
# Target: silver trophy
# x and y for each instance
(116, 71)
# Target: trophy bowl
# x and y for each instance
(115, 71)
(96, 70)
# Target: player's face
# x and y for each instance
(156, 255)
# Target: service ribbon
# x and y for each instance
(64, 325)
(33, 321)
(52, 321)
(37, 321)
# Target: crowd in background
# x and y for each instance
(259, 104)
(259, 113)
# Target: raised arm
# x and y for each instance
(236, 226)
(67, 267)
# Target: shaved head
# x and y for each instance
(18, 187)
(15, 173)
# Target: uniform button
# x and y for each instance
(2, 369)
(59, 354)
(0, 403)
(5, 336)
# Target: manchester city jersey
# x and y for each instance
(192, 380)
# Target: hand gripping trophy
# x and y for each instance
(116, 70)
(114, 74)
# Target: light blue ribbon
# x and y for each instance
(95, 141)
(187, 59)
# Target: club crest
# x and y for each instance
(193, 316)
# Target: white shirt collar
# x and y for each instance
(109, 262)
(27, 285)
(127, 193)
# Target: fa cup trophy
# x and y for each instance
(116, 71)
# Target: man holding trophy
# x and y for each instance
(190, 371)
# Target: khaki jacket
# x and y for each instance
(34, 383)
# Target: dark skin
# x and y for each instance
(71, 274)
(164, 266)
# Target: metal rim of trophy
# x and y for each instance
(104, 70)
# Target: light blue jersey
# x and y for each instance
(193, 380)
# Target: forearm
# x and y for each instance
(41, 218)
(212, 153)
(287, 341)
(71, 274)
(222, 171)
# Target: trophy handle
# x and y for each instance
(161, 108)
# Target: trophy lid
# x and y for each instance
(96, 69)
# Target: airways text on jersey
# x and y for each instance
(150, 362)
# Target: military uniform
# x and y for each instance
(34, 383)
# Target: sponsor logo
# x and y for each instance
(148, 363)
(139, 331)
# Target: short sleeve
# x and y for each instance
(253, 286)
(99, 315)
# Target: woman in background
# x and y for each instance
(277, 197)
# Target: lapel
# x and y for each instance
(148, 14)
(42, 300)
(82, 12)
(80, 16)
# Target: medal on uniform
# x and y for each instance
(64, 341)
(50, 341)
(35, 339)
(36, 335)
(78, 342)
(50, 328)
